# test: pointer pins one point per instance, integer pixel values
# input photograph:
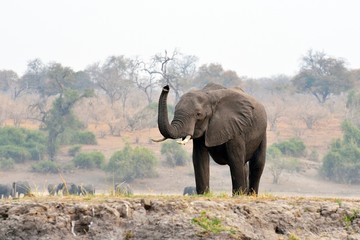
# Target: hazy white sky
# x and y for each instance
(257, 38)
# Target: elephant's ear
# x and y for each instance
(232, 116)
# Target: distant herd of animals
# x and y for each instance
(23, 188)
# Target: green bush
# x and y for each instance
(175, 155)
(293, 147)
(74, 150)
(12, 136)
(89, 160)
(37, 152)
(278, 162)
(17, 153)
(6, 163)
(34, 138)
(22, 144)
(71, 136)
(45, 167)
(87, 138)
(342, 161)
(273, 153)
(129, 164)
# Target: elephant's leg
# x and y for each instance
(236, 162)
(201, 166)
(238, 178)
(256, 167)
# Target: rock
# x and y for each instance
(146, 203)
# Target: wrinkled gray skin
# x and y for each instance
(226, 124)
(189, 191)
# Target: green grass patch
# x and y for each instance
(211, 224)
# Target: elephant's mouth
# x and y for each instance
(184, 140)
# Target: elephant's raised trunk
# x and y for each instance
(166, 129)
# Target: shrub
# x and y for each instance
(342, 161)
(22, 144)
(71, 136)
(88, 138)
(17, 153)
(34, 138)
(37, 152)
(12, 136)
(293, 147)
(21, 136)
(74, 150)
(45, 167)
(129, 164)
(6, 163)
(278, 162)
(175, 155)
(89, 160)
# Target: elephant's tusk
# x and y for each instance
(159, 140)
(183, 142)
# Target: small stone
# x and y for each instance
(146, 203)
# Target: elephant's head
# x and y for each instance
(213, 112)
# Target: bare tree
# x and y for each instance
(145, 79)
(275, 108)
(10, 82)
(175, 70)
(18, 109)
(4, 109)
(310, 111)
(114, 77)
(95, 113)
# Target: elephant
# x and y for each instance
(225, 123)
(5, 190)
(21, 187)
(68, 189)
(123, 189)
(189, 191)
(88, 189)
(52, 189)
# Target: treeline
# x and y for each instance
(129, 85)
(122, 92)
(116, 77)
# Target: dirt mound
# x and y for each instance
(176, 217)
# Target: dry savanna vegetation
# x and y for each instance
(94, 127)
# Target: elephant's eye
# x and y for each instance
(198, 115)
